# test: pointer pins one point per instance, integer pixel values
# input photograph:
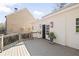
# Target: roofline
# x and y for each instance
(16, 11)
(60, 9)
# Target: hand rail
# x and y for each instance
(10, 34)
(2, 36)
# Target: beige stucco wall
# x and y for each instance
(20, 21)
(36, 28)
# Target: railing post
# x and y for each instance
(19, 36)
(2, 44)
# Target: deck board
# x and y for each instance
(17, 50)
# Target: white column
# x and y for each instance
(19, 36)
(2, 44)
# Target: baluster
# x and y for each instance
(2, 36)
(19, 36)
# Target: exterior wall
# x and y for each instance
(58, 27)
(71, 34)
(65, 26)
(20, 21)
(37, 29)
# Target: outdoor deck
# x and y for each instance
(15, 50)
(38, 47)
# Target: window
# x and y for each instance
(77, 24)
(51, 24)
(47, 29)
(40, 26)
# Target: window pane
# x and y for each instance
(47, 29)
(77, 19)
(51, 24)
(77, 28)
(77, 22)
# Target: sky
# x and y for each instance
(38, 10)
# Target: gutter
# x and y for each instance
(60, 9)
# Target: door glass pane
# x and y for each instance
(77, 22)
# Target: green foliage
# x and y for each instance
(52, 35)
(24, 36)
(2, 28)
(10, 39)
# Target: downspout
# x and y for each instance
(65, 30)
(6, 24)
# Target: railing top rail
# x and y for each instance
(12, 34)
(35, 32)
(1, 35)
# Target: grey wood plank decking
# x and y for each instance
(17, 50)
(38, 47)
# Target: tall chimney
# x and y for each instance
(16, 9)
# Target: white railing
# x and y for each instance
(1, 42)
(2, 37)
